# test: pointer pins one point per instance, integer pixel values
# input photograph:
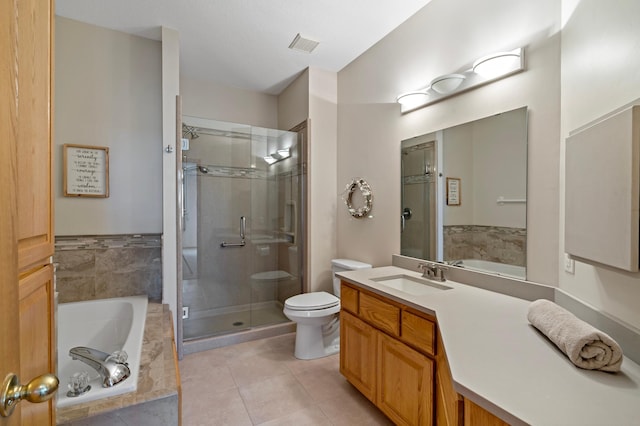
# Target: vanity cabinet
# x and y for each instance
(385, 357)
(394, 355)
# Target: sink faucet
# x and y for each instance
(433, 271)
(112, 370)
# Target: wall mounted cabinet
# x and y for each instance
(602, 185)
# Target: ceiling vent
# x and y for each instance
(303, 44)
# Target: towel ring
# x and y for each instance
(365, 190)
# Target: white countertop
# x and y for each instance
(502, 363)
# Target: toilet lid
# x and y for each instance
(312, 301)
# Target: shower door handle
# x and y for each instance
(242, 243)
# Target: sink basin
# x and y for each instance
(411, 285)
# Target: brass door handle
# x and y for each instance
(39, 389)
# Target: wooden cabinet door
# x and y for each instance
(405, 383)
(474, 415)
(449, 404)
(358, 354)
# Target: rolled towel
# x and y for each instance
(586, 346)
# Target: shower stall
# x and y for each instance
(242, 196)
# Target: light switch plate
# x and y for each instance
(569, 264)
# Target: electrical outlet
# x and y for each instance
(185, 312)
(569, 264)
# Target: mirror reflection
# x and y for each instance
(463, 192)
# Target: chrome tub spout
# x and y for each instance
(112, 370)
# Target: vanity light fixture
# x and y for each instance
(447, 83)
(497, 64)
(279, 155)
(412, 99)
(485, 70)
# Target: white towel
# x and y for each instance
(586, 346)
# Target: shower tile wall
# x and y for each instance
(104, 266)
(494, 243)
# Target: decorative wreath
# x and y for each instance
(365, 189)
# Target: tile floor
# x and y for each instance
(262, 383)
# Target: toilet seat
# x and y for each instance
(312, 301)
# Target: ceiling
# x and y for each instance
(244, 43)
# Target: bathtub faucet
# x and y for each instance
(112, 370)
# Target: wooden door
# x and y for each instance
(9, 326)
(358, 351)
(26, 241)
(405, 383)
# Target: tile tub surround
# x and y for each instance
(105, 266)
(157, 400)
(494, 243)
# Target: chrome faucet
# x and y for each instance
(112, 369)
(433, 270)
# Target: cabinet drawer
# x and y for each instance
(419, 332)
(381, 314)
(349, 298)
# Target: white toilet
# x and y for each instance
(316, 315)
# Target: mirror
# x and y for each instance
(463, 195)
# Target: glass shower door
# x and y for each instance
(236, 251)
(418, 201)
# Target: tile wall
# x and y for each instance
(494, 243)
(103, 266)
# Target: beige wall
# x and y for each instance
(313, 95)
(600, 62)
(108, 93)
(293, 103)
(439, 40)
(323, 115)
(223, 103)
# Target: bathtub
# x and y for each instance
(107, 325)
(511, 271)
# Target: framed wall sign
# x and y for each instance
(453, 192)
(86, 171)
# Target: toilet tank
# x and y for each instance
(338, 265)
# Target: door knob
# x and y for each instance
(39, 389)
